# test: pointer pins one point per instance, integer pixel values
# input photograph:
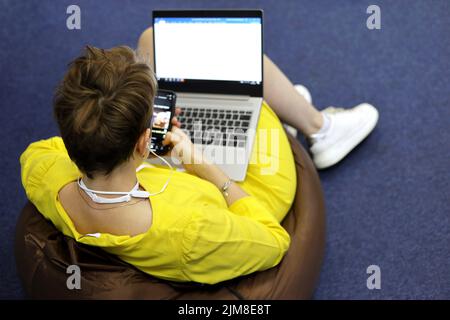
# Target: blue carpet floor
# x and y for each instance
(387, 203)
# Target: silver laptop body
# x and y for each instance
(218, 78)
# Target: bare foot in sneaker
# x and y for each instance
(332, 133)
(342, 131)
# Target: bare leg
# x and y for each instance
(145, 45)
(279, 92)
(288, 104)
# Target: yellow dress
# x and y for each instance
(195, 236)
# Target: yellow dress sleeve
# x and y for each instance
(36, 161)
(220, 244)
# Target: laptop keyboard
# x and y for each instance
(216, 126)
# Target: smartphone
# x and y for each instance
(163, 112)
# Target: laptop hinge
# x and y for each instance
(210, 96)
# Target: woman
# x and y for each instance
(199, 226)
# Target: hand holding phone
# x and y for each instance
(163, 113)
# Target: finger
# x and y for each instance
(178, 132)
(175, 122)
(177, 111)
(175, 130)
(167, 139)
(175, 136)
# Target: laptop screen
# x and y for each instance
(220, 52)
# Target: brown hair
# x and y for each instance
(102, 106)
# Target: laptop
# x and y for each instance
(213, 60)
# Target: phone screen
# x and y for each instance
(163, 109)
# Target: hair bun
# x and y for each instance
(103, 105)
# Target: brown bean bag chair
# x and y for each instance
(43, 255)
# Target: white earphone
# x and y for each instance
(125, 196)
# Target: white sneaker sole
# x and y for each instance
(337, 152)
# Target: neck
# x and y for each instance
(121, 179)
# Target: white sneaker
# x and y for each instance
(347, 129)
(307, 95)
